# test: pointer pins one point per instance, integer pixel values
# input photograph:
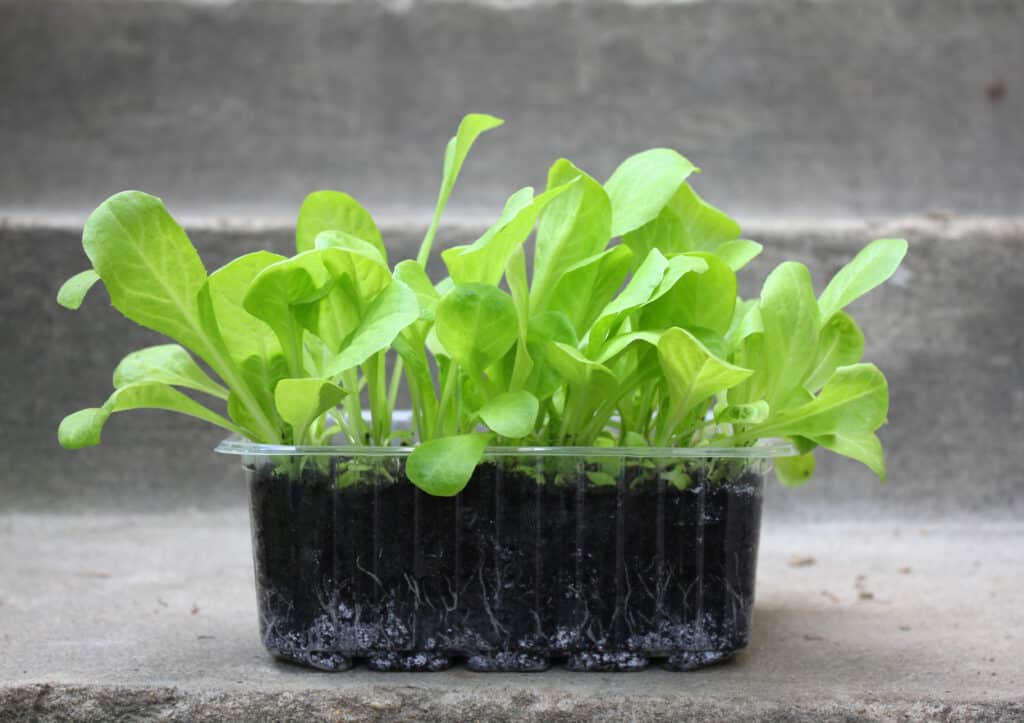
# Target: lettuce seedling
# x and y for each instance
(629, 330)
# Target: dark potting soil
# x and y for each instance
(511, 574)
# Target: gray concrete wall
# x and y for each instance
(793, 106)
(945, 330)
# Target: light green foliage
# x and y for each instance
(477, 324)
(871, 267)
(334, 211)
(72, 292)
(643, 185)
(511, 414)
(442, 467)
(300, 401)
(643, 342)
(167, 364)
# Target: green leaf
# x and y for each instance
(442, 467)
(149, 266)
(738, 252)
(300, 401)
(841, 344)
(455, 154)
(642, 185)
(655, 277)
(572, 227)
(752, 413)
(789, 313)
(477, 324)
(244, 334)
(365, 267)
(415, 277)
(279, 289)
(168, 364)
(619, 344)
(703, 300)
(335, 211)
(868, 269)
(864, 447)
(794, 471)
(84, 428)
(484, 260)
(72, 292)
(392, 311)
(512, 414)
(855, 400)
(579, 370)
(664, 233)
(692, 372)
(705, 228)
(545, 328)
(588, 286)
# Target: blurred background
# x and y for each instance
(820, 125)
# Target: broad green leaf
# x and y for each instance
(645, 288)
(169, 364)
(841, 343)
(588, 286)
(638, 291)
(442, 467)
(512, 414)
(347, 256)
(693, 374)
(476, 323)
(244, 334)
(72, 292)
(545, 328)
(455, 154)
(795, 471)
(277, 291)
(868, 269)
(515, 275)
(789, 313)
(619, 344)
(392, 311)
(664, 232)
(642, 185)
(84, 428)
(579, 370)
(149, 266)
(300, 401)
(705, 228)
(738, 252)
(752, 413)
(746, 321)
(571, 228)
(864, 447)
(484, 260)
(334, 211)
(704, 300)
(412, 275)
(854, 401)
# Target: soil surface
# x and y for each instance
(520, 570)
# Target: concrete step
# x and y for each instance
(150, 616)
(945, 330)
(841, 108)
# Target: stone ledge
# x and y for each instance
(106, 617)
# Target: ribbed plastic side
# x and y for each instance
(600, 565)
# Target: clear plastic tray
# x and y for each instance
(596, 558)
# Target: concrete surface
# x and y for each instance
(154, 616)
(945, 330)
(791, 106)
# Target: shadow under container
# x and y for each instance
(600, 558)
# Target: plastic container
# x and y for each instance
(599, 558)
